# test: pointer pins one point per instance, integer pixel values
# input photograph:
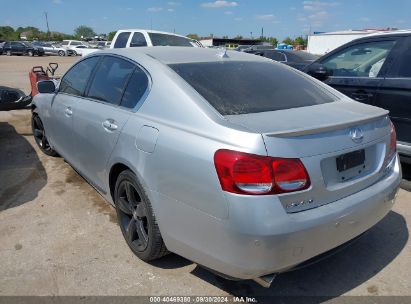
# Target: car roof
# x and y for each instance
(176, 54)
(388, 33)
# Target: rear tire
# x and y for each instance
(40, 136)
(136, 218)
(74, 53)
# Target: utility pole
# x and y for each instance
(262, 33)
(47, 23)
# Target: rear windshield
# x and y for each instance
(170, 40)
(238, 87)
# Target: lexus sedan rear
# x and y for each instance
(243, 165)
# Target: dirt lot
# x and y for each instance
(59, 237)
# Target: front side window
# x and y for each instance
(158, 39)
(121, 41)
(138, 40)
(75, 81)
(135, 89)
(110, 80)
(238, 87)
(361, 60)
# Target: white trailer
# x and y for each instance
(323, 43)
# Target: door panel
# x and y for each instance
(363, 90)
(96, 130)
(61, 125)
(395, 96)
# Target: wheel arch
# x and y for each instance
(115, 171)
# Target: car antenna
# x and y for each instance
(223, 53)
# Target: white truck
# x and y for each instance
(140, 38)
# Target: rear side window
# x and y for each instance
(158, 39)
(121, 41)
(137, 40)
(110, 80)
(75, 81)
(136, 88)
(238, 87)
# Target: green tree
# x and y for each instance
(300, 41)
(84, 31)
(273, 41)
(238, 37)
(288, 40)
(111, 35)
(7, 33)
(193, 36)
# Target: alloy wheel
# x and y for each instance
(39, 134)
(133, 216)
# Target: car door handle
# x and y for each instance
(109, 125)
(361, 96)
(68, 111)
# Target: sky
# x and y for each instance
(204, 17)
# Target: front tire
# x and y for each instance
(8, 53)
(136, 218)
(61, 53)
(74, 53)
(40, 136)
(30, 53)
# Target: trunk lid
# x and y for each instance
(320, 135)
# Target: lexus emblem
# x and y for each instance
(357, 135)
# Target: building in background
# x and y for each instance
(227, 42)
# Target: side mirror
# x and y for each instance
(46, 86)
(317, 70)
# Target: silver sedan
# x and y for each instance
(243, 165)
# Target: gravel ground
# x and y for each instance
(59, 237)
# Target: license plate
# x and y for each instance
(350, 160)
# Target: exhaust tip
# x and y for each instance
(265, 281)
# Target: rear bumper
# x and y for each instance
(260, 238)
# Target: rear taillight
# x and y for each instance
(245, 173)
(393, 142)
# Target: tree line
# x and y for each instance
(83, 31)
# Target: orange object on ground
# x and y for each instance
(36, 74)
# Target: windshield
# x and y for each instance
(237, 87)
(169, 40)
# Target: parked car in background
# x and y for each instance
(22, 48)
(1, 46)
(103, 44)
(295, 59)
(233, 161)
(51, 49)
(375, 70)
(141, 38)
(73, 45)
